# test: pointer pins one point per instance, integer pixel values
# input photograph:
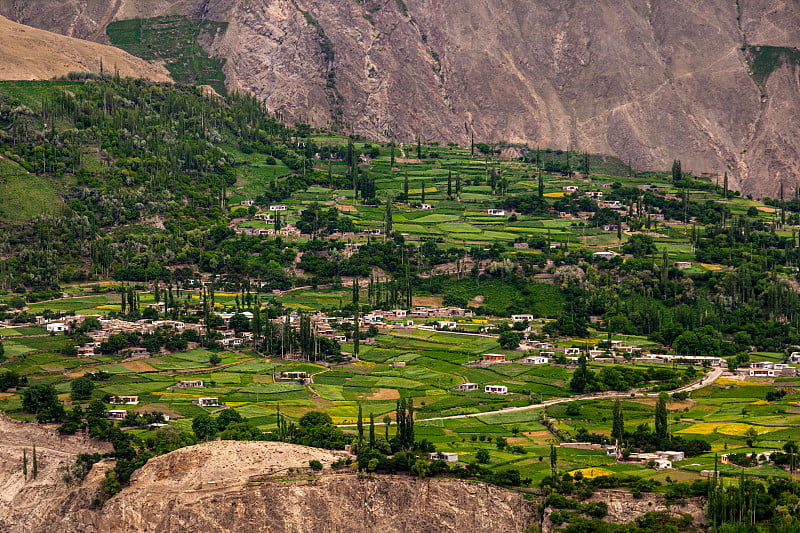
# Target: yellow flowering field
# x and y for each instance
(592, 472)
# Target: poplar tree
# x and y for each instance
(35, 463)
(677, 173)
(422, 194)
(662, 428)
(372, 430)
(618, 426)
(388, 216)
(360, 426)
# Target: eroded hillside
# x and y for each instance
(649, 82)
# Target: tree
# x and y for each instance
(582, 378)
(387, 421)
(677, 173)
(204, 427)
(372, 430)
(43, 401)
(228, 417)
(618, 425)
(509, 340)
(388, 228)
(639, 245)
(35, 463)
(662, 427)
(360, 425)
(214, 359)
(81, 388)
(482, 456)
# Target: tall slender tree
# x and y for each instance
(661, 422)
(618, 425)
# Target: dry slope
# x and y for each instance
(33, 54)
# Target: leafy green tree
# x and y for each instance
(228, 417)
(509, 340)
(43, 401)
(639, 245)
(677, 173)
(204, 427)
(482, 456)
(81, 388)
(214, 359)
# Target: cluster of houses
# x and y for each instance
(487, 389)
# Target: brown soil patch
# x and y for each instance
(81, 372)
(671, 405)
(542, 433)
(6, 394)
(517, 440)
(385, 394)
(346, 208)
(426, 301)
(54, 368)
(161, 407)
(322, 403)
(139, 366)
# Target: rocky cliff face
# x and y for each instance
(647, 81)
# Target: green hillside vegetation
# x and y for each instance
(176, 40)
(125, 194)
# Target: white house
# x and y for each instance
(496, 212)
(572, 351)
(594, 194)
(208, 402)
(57, 327)
(117, 414)
(447, 457)
(537, 360)
(279, 207)
(604, 255)
(426, 206)
(467, 387)
(124, 400)
(570, 188)
(521, 318)
(495, 389)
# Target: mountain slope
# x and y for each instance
(33, 54)
(648, 82)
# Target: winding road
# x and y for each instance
(706, 380)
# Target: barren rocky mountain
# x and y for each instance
(33, 54)
(647, 81)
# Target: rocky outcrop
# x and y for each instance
(647, 81)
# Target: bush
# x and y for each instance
(315, 465)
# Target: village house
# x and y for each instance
(682, 265)
(467, 387)
(426, 206)
(116, 414)
(521, 318)
(495, 389)
(594, 194)
(278, 207)
(189, 384)
(135, 353)
(247, 203)
(521, 246)
(536, 360)
(56, 327)
(293, 375)
(570, 189)
(604, 255)
(610, 204)
(266, 217)
(208, 402)
(572, 351)
(124, 400)
(446, 324)
(494, 358)
(496, 212)
(447, 457)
